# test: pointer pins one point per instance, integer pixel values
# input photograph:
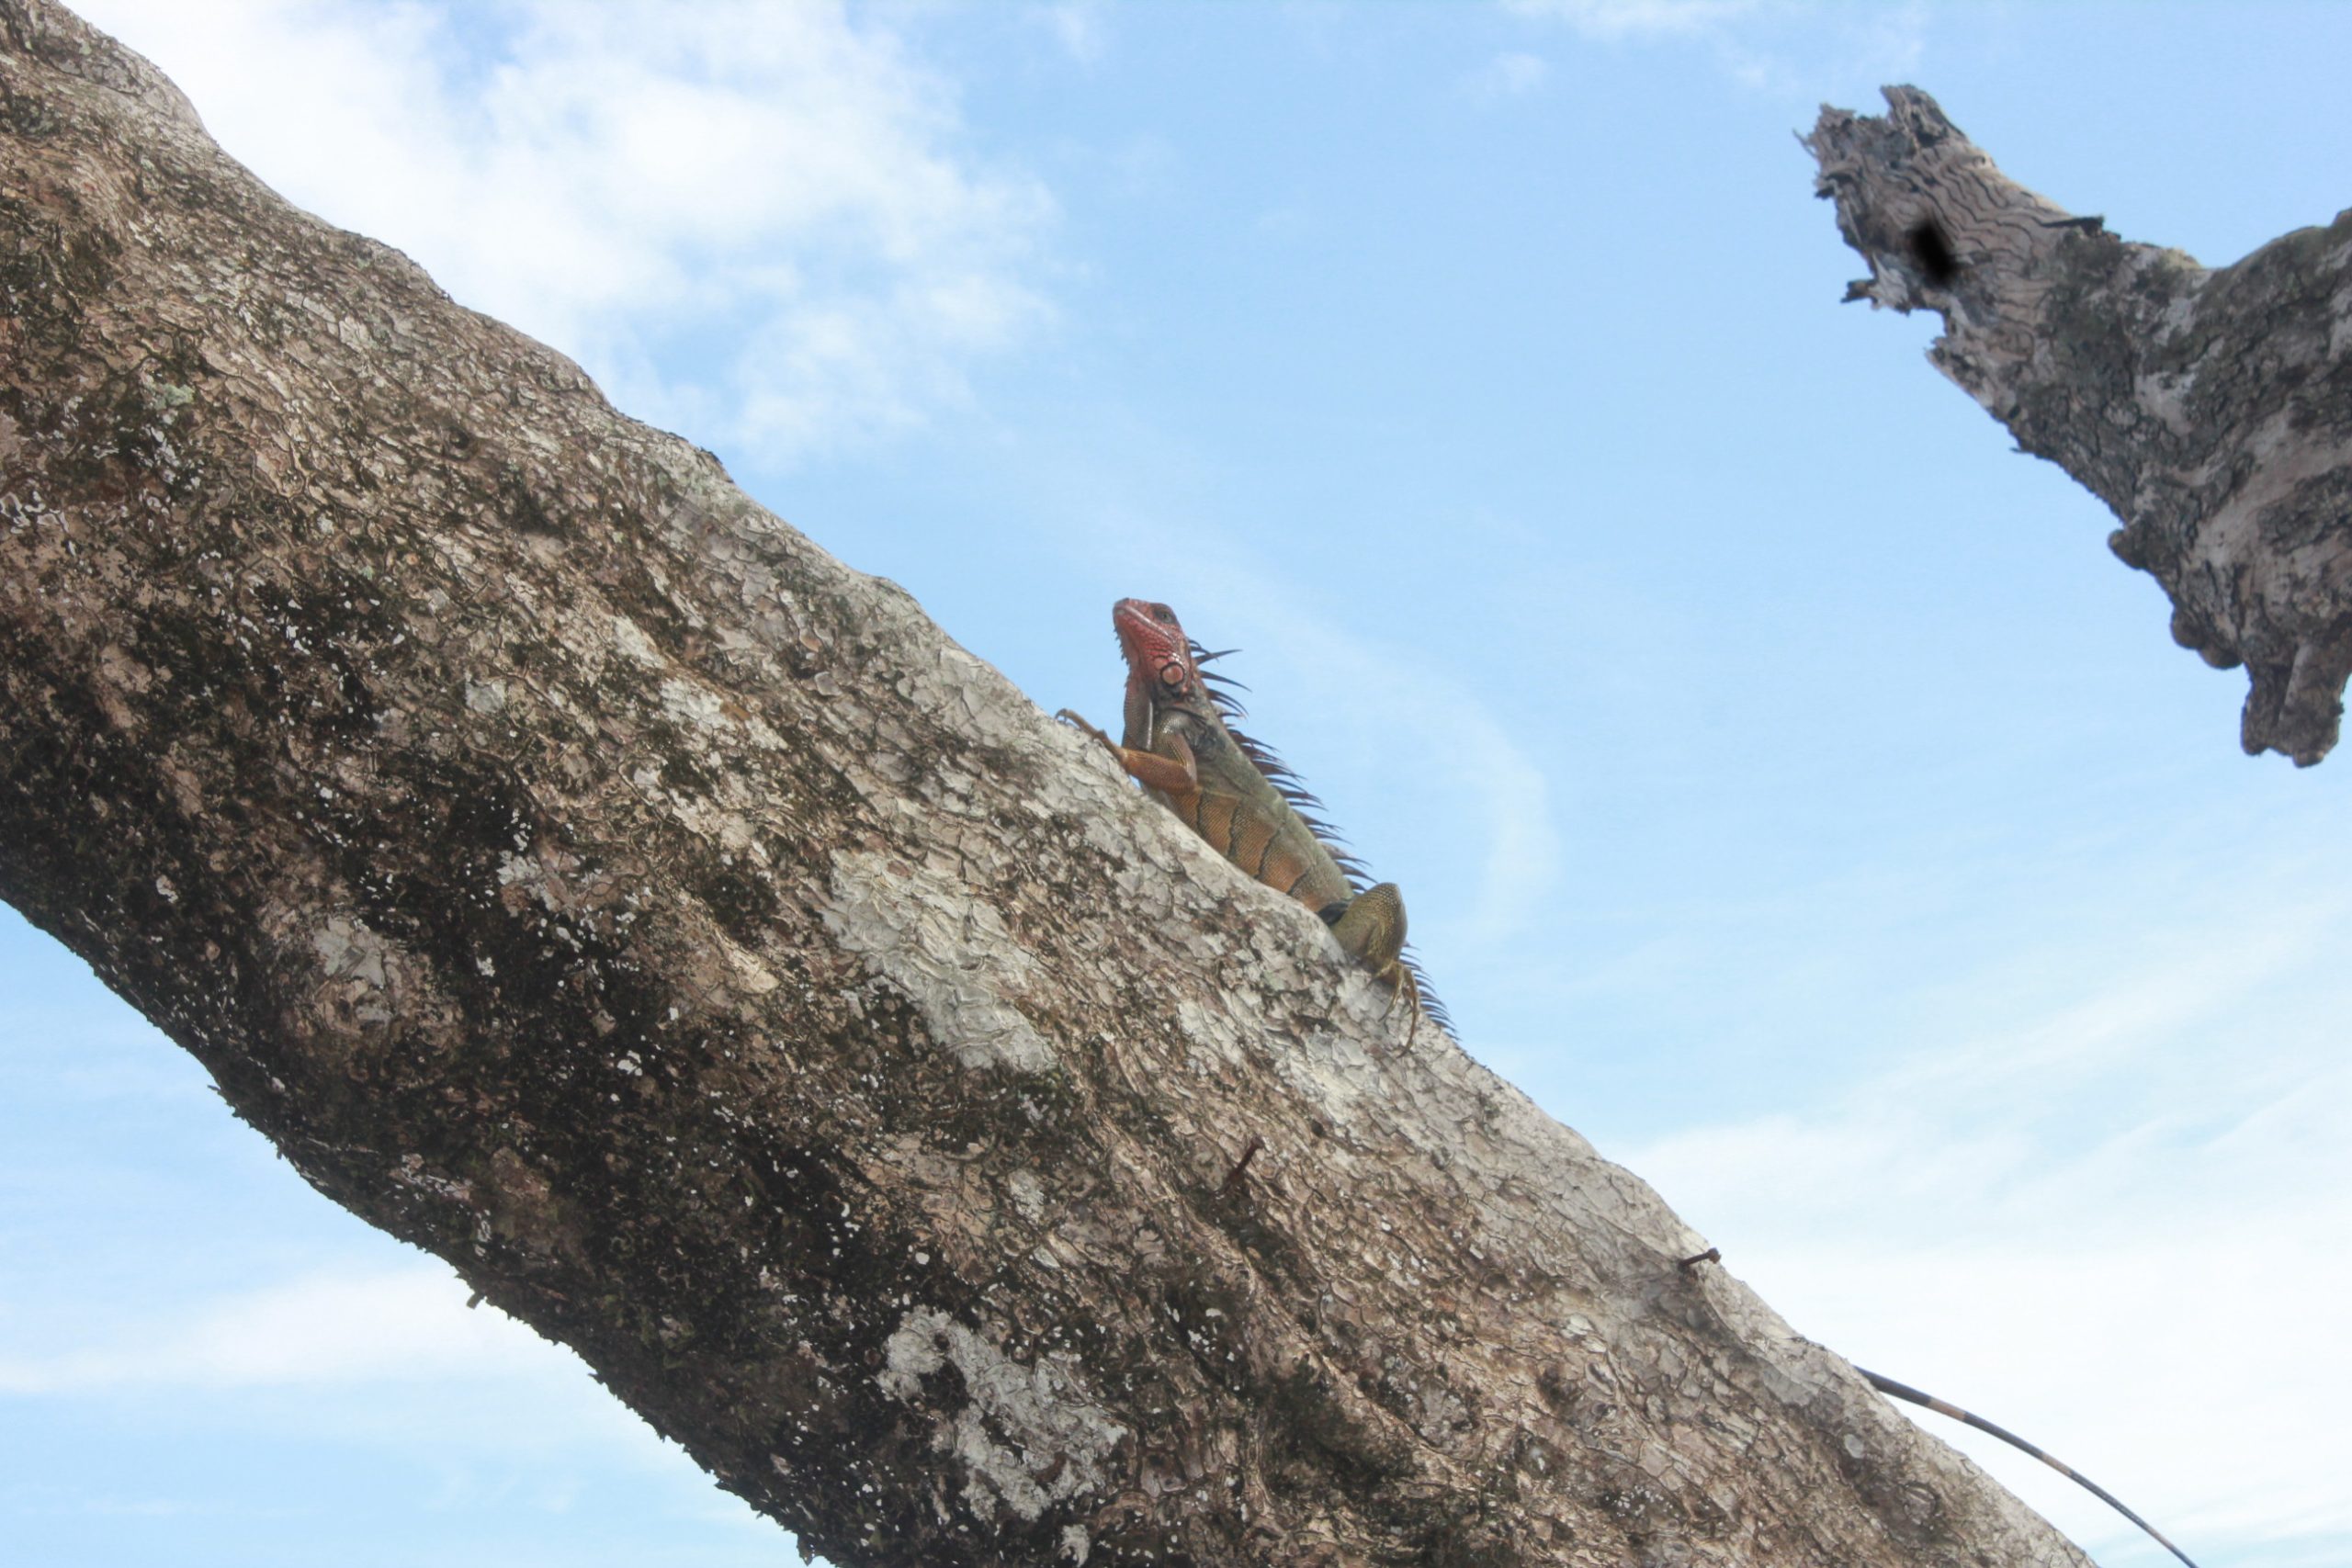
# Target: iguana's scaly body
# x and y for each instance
(1238, 795)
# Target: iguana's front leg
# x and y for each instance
(1167, 767)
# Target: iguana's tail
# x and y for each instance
(1905, 1391)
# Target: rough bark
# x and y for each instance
(580, 875)
(2211, 409)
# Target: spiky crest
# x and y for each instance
(1302, 800)
(1276, 772)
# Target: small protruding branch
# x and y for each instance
(2209, 408)
(1240, 1171)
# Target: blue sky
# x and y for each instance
(1791, 792)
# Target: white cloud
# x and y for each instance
(1522, 858)
(1510, 75)
(2109, 1218)
(1634, 18)
(1080, 27)
(773, 190)
(385, 1365)
(2191, 1374)
(1788, 46)
(407, 1324)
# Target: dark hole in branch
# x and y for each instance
(1933, 253)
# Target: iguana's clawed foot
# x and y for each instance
(1405, 991)
(1118, 752)
(1168, 766)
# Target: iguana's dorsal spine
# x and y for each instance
(1180, 742)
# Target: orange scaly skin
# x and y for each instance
(1240, 798)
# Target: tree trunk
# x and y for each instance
(2210, 409)
(583, 876)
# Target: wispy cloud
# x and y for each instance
(1082, 28)
(2081, 1204)
(2190, 987)
(372, 1370)
(1634, 18)
(381, 1326)
(635, 182)
(1511, 75)
(1784, 46)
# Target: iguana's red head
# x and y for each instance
(1159, 656)
(1162, 676)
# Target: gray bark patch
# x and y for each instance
(948, 950)
(1028, 1437)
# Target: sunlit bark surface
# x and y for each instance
(2210, 408)
(580, 875)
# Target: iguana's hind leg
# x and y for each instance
(1370, 929)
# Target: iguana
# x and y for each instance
(1250, 807)
(1180, 745)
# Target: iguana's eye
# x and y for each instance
(1162, 613)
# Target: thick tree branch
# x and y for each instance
(2210, 409)
(580, 875)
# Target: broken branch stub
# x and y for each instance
(2209, 408)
